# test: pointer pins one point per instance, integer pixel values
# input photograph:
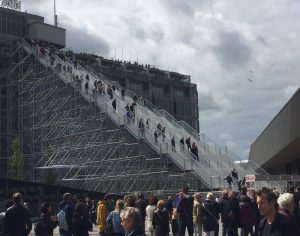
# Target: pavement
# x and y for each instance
(56, 232)
(95, 231)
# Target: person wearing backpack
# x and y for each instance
(46, 224)
(160, 221)
(65, 215)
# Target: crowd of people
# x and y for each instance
(265, 213)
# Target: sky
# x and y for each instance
(243, 55)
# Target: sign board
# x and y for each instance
(249, 178)
(296, 177)
(286, 177)
(262, 177)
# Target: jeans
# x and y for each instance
(210, 233)
(198, 229)
(246, 230)
(182, 225)
(65, 234)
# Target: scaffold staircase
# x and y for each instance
(214, 163)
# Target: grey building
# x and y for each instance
(277, 148)
(24, 25)
(13, 26)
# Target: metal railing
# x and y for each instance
(209, 164)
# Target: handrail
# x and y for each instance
(205, 163)
(190, 129)
(207, 144)
(135, 132)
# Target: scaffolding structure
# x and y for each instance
(65, 137)
(71, 135)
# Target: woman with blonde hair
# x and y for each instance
(161, 220)
(150, 209)
(197, 215)
(131, 221)
(114, 220)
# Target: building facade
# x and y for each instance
(277, 148)
(15, 25)
(169, 91)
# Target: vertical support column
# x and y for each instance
(172, 98)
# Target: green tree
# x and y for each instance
(16, 161)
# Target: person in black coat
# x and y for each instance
(185, 213)
(194, 151)
(224, 205)
(17, 219)
(233, 214)
(46, 224)
(229, 180)
(273, 222)
(81, 222)
(114, 105)
(210, 214)
(7, 205)
(141, 204)
(169, 207)
(161, 220)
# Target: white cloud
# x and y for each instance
(243, 55)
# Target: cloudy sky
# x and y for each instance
(243, 55)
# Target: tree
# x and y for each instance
(16, 161)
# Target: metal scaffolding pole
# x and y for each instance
(69, 137)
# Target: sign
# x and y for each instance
(262, 177)
(250, 178)
(285, 177)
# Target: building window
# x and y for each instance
(137, 88)
(12, 24)
(158, 91)
(178, 93)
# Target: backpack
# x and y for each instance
(109, 223)
(62, 220)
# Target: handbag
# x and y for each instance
(210, 213)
